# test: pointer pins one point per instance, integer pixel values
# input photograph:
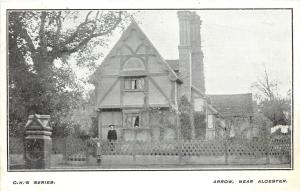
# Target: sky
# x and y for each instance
(237, 45)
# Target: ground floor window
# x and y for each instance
(132, 120)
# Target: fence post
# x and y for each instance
(134, 147)
(267, 143)
(268, 151)
(179, 137)
(65, 151)
(227, 131)
(179, 146)
(226, 150)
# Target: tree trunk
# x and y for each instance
(43, 65)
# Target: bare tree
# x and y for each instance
(267, 87)
(271, 104)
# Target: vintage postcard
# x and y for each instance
(191, 95)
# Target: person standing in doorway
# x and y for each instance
(112, 136)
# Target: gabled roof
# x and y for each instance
(233, 105)
(124, 35)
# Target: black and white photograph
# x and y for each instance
(149, 89)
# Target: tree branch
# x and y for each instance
(42, 32)
(87, 16)
(118, 20)
(90, 36)
(24, 34)
(58, 30)
(73, 36)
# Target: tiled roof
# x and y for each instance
(174, 64)
(239, 105)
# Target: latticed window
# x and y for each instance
(134, 84)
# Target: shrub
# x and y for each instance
(200, 125)
(185, 121)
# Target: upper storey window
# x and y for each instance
(133, 64)
(134, 74)
(134, 83)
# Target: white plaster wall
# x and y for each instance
(113, 97)
(103, 86)
(155, 96)
(133, 98)
(155, 65)
(111, 67)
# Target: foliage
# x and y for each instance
(278, 133)
(263, 124)
(41, 44)
(16, 145)
(84, 117)
(94, 130)
(185, 112)
(200, 125)
(278, 111)
(185, 121)
(162, 118)
(75, 145)
(220, 128)
(166, 118)
(273, 106)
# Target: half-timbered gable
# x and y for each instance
(132, 76)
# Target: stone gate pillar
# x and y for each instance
(38, 142)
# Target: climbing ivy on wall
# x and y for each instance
(200, 125)
(184, 108)
(166, 118)
(185, 112)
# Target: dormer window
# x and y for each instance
(136, 83)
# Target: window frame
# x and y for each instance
(132, 115)
(131, 80)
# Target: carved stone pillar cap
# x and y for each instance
(38, 122)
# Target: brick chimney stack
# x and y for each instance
(190, 54)
(198, 79)
(185, 53)
(195, 29)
